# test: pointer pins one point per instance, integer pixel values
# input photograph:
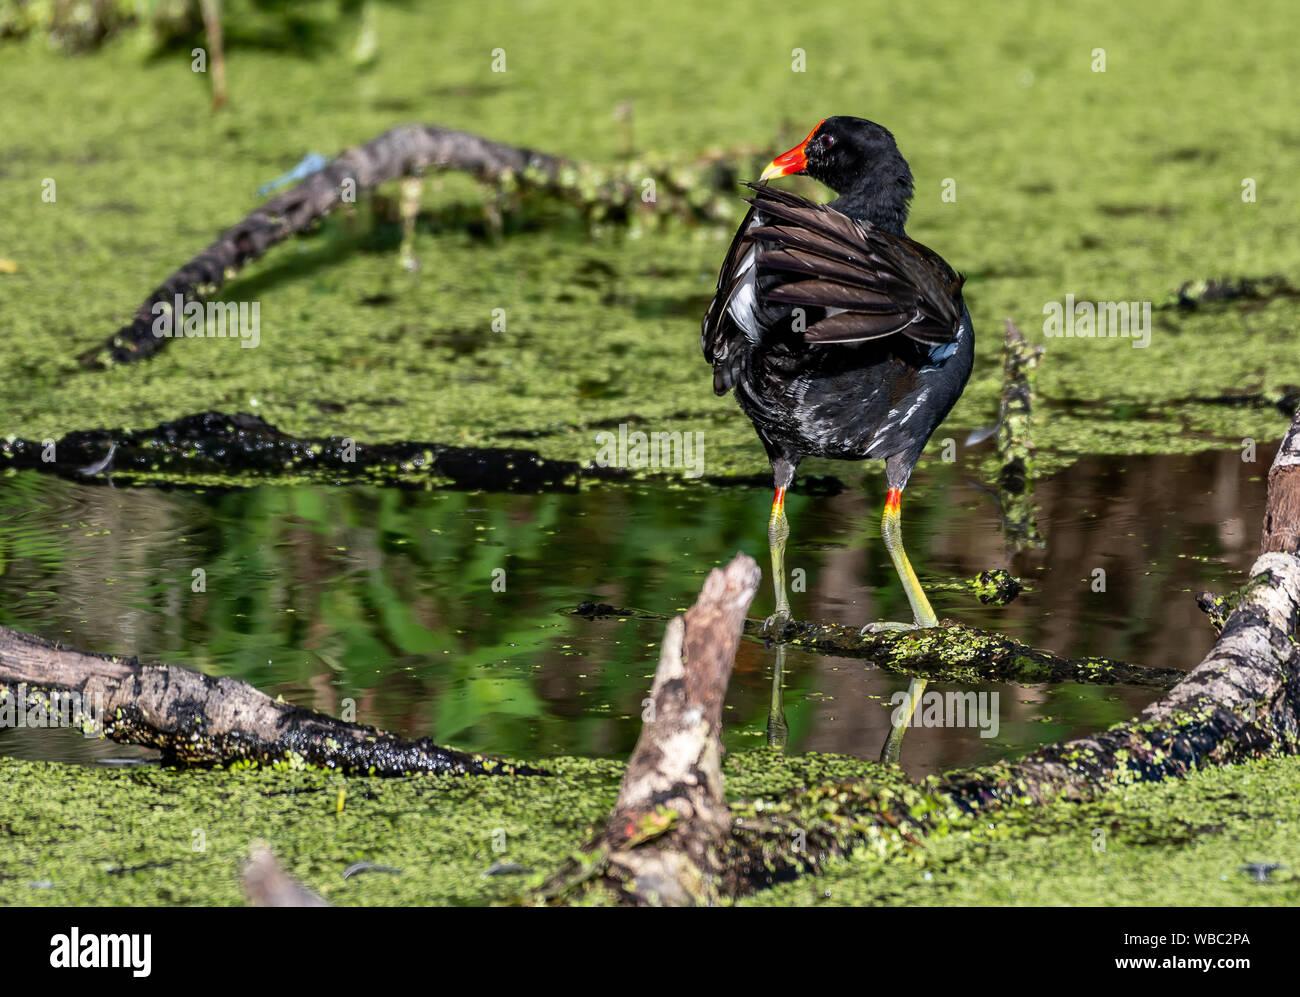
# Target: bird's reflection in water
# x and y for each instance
(892, 752)
(778, 730)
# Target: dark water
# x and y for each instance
(387, 597)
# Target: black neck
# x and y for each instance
(881, 201)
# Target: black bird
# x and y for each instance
(841, 336)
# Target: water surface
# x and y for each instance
(443, 612)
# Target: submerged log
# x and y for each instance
(409, 151)
(951, 652)
(239, 446)
(200, 720)
(232, 449)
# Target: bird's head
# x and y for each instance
(844, 153)
(860, 161)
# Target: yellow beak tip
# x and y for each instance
(769, 171)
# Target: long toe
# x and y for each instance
(775, 623)
(886, 627)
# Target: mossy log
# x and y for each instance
(951, 652)
(238, 449)
(234, 448)
(1241, 701)
(409, 151)
(197, 719)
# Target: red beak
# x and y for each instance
(794, 161)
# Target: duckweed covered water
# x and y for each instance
(80, 836)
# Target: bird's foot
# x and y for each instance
(775, 623)
(886, 627)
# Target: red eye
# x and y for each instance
(828, 141)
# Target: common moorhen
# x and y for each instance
(840, 336)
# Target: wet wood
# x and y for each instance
(951, 652)
(197, 719)
(1282, 516)
(240, 447)
(665, 841)
(266, 884)
(409, 151)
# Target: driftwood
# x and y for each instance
(1282, 517)
(235, 449)
(409, 151)
(949, 653)
(240, 446)
(197, 719)
(1241, 701)
(664, 841)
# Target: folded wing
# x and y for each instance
(856, 283)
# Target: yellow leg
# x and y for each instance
(778, 531)
(891, 528)
(778, 731)
(893, 748)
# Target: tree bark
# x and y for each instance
(951, 653)
(406, 151)
(1282, 516)
(665, 841)
(197, 719)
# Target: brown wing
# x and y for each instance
(872, 283)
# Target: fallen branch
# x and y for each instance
(664, 842)
(196, 719)
(266, 884)
(1282, 516)
(214, 444)
(409, 151)
(950, 653)
(211, 10)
